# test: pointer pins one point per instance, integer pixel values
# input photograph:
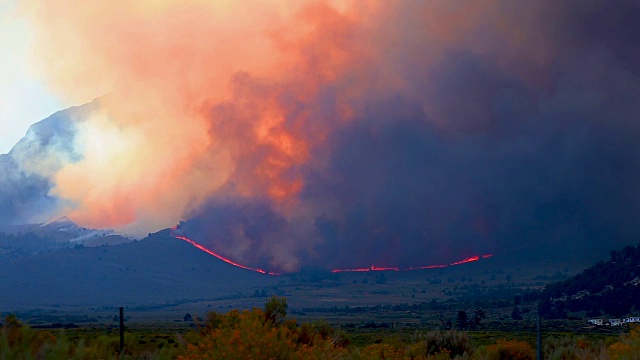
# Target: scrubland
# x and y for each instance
(268, 334)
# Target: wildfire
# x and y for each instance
(227, 260)
(372, 268)
(467, 260)
(365, 269)
(439, 266)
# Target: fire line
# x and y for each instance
(439, 266)
(365, 269)
(228, 261)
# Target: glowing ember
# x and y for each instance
(372, 268)
(228, 261)
(467, 260)
(377, 268)
(427, 267)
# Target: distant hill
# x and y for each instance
(154, 270)
(610, 287)
(30, 239)
(62, 231)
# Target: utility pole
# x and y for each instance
(539, 337)
(121, 330)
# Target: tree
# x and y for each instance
(275, 309)
(446, 324)
(516, 314)
(188, 317)
(478, 315)
(462, 320)
(381, 279)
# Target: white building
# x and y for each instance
(634, 319)
(596, 321)
(615, 322)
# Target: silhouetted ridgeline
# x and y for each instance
(151, 271)
(610, 287)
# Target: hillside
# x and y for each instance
(154, 270)
(609, 287)
(61, 233)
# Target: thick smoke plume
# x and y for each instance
(345, 133)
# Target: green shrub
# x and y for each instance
(506, 350)
(19, 341)
(456, 343)
(573, 348)
(627, 348)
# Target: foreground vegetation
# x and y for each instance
(266, 334)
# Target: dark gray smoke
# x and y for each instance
(510, 129)
(483, 154)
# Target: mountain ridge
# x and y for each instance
(153, 270)
(611, 287)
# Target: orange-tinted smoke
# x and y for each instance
(209, 97)
(156, 147)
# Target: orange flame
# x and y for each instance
(393, 268)
(227, 260)
(366, 269)
(467, 260)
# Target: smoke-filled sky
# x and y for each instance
(24, 98)
(339, 133)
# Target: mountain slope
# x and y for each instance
(30, 239)
(66, 231)
(157, 269)
(612, 287)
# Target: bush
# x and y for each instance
(627, 348)
(506, 350)
(253, 335)
(573, 348)
(242, 335)
(454, 343)
(275, 308)
(18, 341)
